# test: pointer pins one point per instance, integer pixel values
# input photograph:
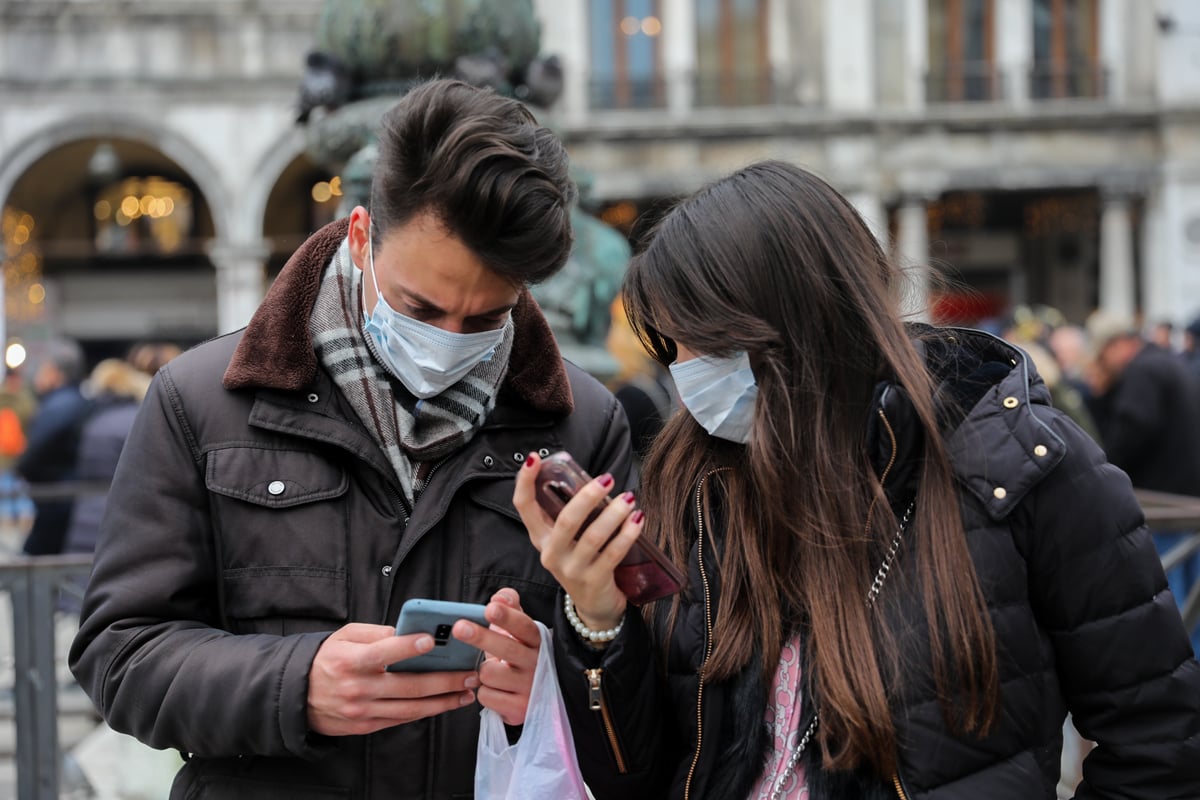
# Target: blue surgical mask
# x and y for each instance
(719, 393)
(425, 358)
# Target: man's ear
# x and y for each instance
(360, 233)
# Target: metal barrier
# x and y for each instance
(1179, 513)
(34, 584)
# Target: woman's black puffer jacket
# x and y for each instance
(1082, 616)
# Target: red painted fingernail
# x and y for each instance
(628, 497)
(529, 459)
(605, 480)
(637, 517)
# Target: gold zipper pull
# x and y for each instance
(595, 699)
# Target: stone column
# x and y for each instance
(679, 53)
(1115, 31)
(916, 50)
(871, 209)
(241, 273)
(1117, 289)
(1013, 41)
(252, 45)
(565, 24)
(912, 251)
(1157, 300)
(779, 51)
(849, 57)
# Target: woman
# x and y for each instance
(904, 566)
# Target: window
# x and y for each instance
(962, 65)
(732, 66)
(1066, 49)
(626, 65)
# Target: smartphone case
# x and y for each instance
(437, 617)
(645, 574)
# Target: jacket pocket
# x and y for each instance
(497, 551)
(281, 521)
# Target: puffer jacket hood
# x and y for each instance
(978, 379)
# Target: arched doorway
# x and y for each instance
(304, 198)
(113, 232)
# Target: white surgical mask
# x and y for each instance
(719, 393)
(425, 358)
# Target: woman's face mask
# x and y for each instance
(425, 358)
(719, 393)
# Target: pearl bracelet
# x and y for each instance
(586, 633)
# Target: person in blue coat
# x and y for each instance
(52, 441)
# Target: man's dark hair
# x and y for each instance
(485, 168)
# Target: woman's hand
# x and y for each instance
(584, 565)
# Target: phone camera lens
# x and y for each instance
(441, 634)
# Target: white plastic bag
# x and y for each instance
(542, 763)
(119, 767)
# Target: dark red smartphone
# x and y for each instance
(645, 574)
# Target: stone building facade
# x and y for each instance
(1034, 151)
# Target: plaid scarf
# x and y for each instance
(412, 432)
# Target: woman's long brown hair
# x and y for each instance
(772, 261)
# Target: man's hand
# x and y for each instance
(511, 645)
(350, 691)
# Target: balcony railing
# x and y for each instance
(707, 90)
(632, 93)
(718, 89)
(1049, 81)
(964, 82)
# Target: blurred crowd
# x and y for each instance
(62, 428)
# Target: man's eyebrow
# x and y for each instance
(415, 299)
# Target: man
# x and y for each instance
(287, 487)
(1191, 345)
(52, 441)
(1146, 403)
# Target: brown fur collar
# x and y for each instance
(276, 351)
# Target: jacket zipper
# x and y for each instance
(687, 787)
(596, 703)
(899, 784)
(420, 485)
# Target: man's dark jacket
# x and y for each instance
(1078, 601)
(1150, 422)
(212, 589)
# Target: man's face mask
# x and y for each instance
(719, 393)
(425, 358)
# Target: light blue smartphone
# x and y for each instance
(437, 617)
